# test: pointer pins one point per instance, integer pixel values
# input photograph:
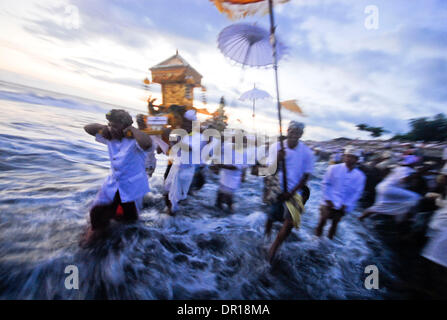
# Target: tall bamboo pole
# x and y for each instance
(275, 68)
(253, 114)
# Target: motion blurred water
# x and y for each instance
(50, 171)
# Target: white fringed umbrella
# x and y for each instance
(248, 45)
(239, 9)
(254, 94)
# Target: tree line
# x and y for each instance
(422, 129)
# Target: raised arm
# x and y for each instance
(94, 128)
(143, 139)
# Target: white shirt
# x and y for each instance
(395, 177)
(438, 221)
(127, 171)
(191, 155)
(343, 187)
(151, 161)
(232, 178)
(299, 161)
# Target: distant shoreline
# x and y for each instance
(114, 106)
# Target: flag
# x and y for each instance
(292, 106)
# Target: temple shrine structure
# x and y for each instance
(177, 79)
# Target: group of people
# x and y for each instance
(132, 157)
(402, 191)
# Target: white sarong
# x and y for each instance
(438, 221)
(436, 249)
(392, 198)
(178, 182)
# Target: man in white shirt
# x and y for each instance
(436, 247)
(393, 196)
(181, 174)
(343, 185)
(127, 182)
(158, 146)
(230, 174)
(299, 162)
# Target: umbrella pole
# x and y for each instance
(253, 115)
(275, 67)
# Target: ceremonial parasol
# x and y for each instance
(241, 8)
(248, 45)
(254, 94)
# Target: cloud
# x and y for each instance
(341, 73)
(432, 74)
(96, 20)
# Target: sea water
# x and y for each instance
(50, 172)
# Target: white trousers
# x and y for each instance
(178, 182)
(436, 248)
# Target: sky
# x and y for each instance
(345, 64)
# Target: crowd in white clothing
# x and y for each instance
(342, 185)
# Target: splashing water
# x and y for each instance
(50, 173)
